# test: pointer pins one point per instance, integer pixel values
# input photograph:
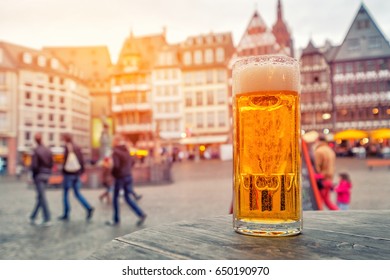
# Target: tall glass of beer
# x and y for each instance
(266, 146)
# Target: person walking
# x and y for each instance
(121, 171)
(343, 191)
(106, 179)
(72, 169)
(41, 165)
(325, 160)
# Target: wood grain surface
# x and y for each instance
(353, 235)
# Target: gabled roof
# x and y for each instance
(363, 40)
(310, 49)
(256, 34)
(144, 47)
(93, 61)
(14, 59)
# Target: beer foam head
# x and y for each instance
(266, 73)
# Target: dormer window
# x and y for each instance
(27, 58)
(54, 63)
(220, 55)
(41, 61)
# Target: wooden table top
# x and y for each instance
(326, 235)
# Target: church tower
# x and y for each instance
(281, 32)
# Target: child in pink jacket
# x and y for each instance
(343, 191)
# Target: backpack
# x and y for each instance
(72, 164)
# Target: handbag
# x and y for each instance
(72, 164)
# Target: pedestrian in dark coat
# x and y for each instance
(121, 171)
(41, 166)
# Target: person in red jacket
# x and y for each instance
(343, 191)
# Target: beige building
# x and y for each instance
(8, 112)
(51, 98)
(206, 91)
(167, 95)
(95, 65)
(131, 89)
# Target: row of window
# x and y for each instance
(204, 56)
(205, 77)
(41, 117)
(315, 97)
(171, 107)
(353, 88)
(40, 60)
(312, 78)
(29, 96)
(170, 125)
(134, 118)
(209, 97)
(311, 60)
(356, 44)
(363, 113)
(166, 74)
(314, 118)
(210, 119)
(361, 66)
(168, 90)
(131, 98)
(258, 50)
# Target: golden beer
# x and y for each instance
(266, 148)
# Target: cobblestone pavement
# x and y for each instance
(200, 189)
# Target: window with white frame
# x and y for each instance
(199, 77)
(188, 99)
(27, 58)
(187, 78)
(220, 55)
(210, 97)
(209, 76)
(3, 98)
(41, 61)
(210, 119)
(221, 97)
(199, 119)
(209, 56)
(221, 76)
(221, 118)
(198, 59)
(189, 120)
(187, 58)
(199, 98)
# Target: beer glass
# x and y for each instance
(266, 146)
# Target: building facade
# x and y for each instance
(316, 89)
(205, 73)
(8, 112)
(361, 76)
(348, 86)
(50, 98)
(167, 96)
(131, 89)
(94, 64)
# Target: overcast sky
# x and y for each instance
(37, 23)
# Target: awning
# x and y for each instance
(350, 134)
(204, 140)
(383, 133)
